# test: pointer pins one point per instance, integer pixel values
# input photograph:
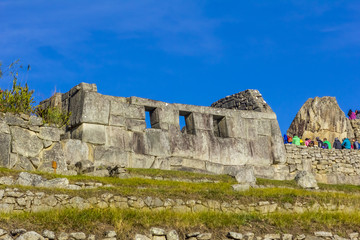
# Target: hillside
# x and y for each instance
(185, 202)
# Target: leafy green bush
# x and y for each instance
(53, 115)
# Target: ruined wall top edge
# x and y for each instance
(253, 98)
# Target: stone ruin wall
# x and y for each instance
(108, 130)
(332, 166)
(214, 140)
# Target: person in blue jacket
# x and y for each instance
(346, 144)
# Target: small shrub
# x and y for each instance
(19, 99)
(54, 115)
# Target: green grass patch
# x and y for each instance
(128, 222)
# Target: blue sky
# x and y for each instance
(192, 52)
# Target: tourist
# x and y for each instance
(355, 144)
(352, 115)
(337, 144)
(327, 143)
(320, 143)
(285, 139)
(307, 141)
(296, 140)
(311, 144)
(357, 114)
(346, 144)
(302, 142)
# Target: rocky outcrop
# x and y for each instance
(321, 117)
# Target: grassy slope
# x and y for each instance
(128, 221)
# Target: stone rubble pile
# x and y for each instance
(161, 234)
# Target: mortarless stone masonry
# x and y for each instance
(107, 131)
(214, 140)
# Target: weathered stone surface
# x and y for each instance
(78, 235)
(157, 231)
(48, 234)
(5, 144)
(30, 236)
(35, 121)
(323, 234)
(246, 175)
(25, 142)
(247, 100)
(321, 117)
(54, 153)
(54, 183)
(306, 180)
(234, 235)
(75, 150)
(50, 133)
(90, 133)
(96, 109)
(141, 237)
(4, 128)
(204, 236)
(23, 163)
(172, 235)
(28, 179)
(109, 156)
(6, 180)
(110, 234)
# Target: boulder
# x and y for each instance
(306, 179)
(28, 179)
(245, 175)
(321, 117)
(30, 236)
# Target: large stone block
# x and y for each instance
(25, 142)
(96, 109)
(50, 133)
(119, 137)
(157, 142)
(110, 156)
(5, 143)
(135, 125)
(120, 108)
(278, 153)
(4, 128)
(203, 121)
(90, 133)
(141, 161)
(54, 153)
(75, 150)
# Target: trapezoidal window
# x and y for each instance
(220, 126)
(152, 117)
(186, 122)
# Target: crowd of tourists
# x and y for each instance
(345, 144)
(354, 115)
